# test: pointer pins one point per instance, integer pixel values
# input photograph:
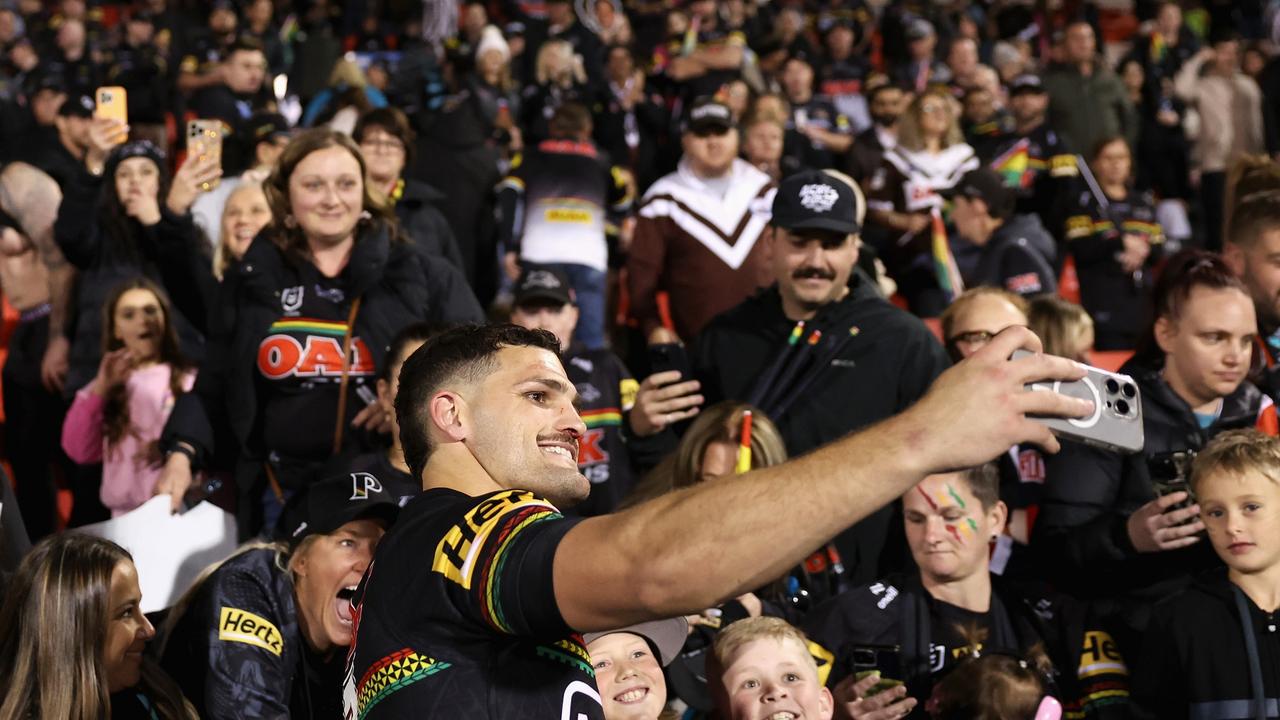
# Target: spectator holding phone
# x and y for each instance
(1214, 645)
(930, 616)
(118, 417)
(300, 329)
(122, 218)
(852, 344)
(619, 438)
(1102, 529)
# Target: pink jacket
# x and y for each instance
(127, 477)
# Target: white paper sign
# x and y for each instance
(169, 550)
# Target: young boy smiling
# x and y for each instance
(767, 673)
(1213, 650)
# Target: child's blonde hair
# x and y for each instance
(1237, 452)
(739, 634)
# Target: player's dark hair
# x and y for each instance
(1183, 273)
(463, 354)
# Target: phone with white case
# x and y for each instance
(1116, 422)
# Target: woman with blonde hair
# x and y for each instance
(709, 449)
(72, 636)
(243, 217)
(1063, 327)
(559, 78)
(930, 158)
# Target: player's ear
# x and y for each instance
(449, 418)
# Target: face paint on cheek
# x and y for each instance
(954, 533)
(972, 525)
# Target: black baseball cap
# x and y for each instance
(543, 284)
(707, 113)
(814, 200)
(986, 185)
(666, 636)
(324, 506)
(80, 106)
(1026, 83)
(263, 126)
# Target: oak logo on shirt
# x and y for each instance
(305, 348)
(242, 626)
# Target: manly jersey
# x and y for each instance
(300, 365)
(237, 648)
(457, 616)
(699, 246)
(554, 202)
(911, 181)
(607, 391)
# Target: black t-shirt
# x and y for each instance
(300, 369)
(947, 643)
(457, 616)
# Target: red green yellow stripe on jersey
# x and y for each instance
(602, 417)
(491, 569)
(310, 326)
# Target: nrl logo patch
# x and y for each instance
(818, 198)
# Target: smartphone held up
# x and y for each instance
(1116, 421)
(112, 103)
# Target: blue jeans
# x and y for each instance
(588, 286)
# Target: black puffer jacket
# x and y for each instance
(237, 650)
(1081, 533)
(418, 211)
(169, 253)
(223, 417)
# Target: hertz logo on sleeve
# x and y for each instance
(235, 625)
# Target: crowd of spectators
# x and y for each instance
(390, 279)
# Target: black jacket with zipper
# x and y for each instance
(1081, 533)
(878, 373)
(222, 417)
(1195, 663)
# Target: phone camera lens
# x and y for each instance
(1130, 390)
(1113, 387)
(1122, 407)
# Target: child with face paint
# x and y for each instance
(117, 418)
(950, 521)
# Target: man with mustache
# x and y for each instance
(870, 361)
